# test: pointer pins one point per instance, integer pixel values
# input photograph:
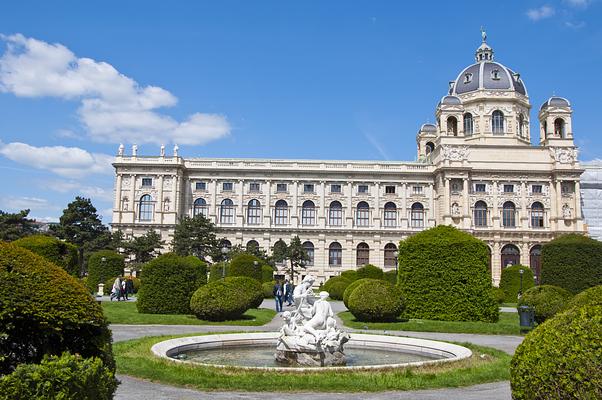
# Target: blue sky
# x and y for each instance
(276, 79)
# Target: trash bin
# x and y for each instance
(527, 317)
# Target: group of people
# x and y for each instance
(122, 288)
(283, 293)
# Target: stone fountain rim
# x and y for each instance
(167, 348)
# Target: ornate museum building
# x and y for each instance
(477, 170)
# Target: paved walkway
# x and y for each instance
(137, 389)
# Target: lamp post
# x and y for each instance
(225, 251)
(520, 291)
(395, 254)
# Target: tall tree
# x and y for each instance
(297, 256)
(144, 248)
(280, 251)
(15, 226)
(196, 237)
(81, 225)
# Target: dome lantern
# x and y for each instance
(484, 52)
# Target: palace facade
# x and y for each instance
(477, 170)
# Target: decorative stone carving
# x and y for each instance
(125, 205)
(455, 153)
(175, 150)
(134, 150)
(125, 182)
(166, 203)
(566, 211)
(121, 149)
(455, 209)
(162, 150)
(310, 336)
(564, 155)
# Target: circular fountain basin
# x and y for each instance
(256, 350)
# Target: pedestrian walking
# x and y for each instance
(129, 286)
(116, 290)
(124, 290)
(288, 293)
(278, 294)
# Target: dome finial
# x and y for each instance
(483, 34)
(484, 52)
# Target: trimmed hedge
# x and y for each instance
(499, 295)
(248, 286)
(592, 295)
(335, 287)
(69, 377)
(510, 282)
(46, 311)
(99, 271)
(219, 301)
(562, 358)
(546, 300)
(244, 265)
(572, 262)
(369, 271)
(391, 277)
(444, 275)
(351, 288)
(375, 301)
(268, 289)
(267, 273)
(350, 275)
(168, 283)
(217, 271)
(54, 250)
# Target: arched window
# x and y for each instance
(537, 214)
(362, 214)
(509, 215)
(363, 254)
(146, 208)
(335, 254)
(254, 212)
(390, 216)
(452, 126)
(308, 213)
(226, 212)
(309, 250)
(281, 213)
(480, 214)
(510, 255)
(390, 255)
(559, 127)
(199, 207)
(468, 124)
(430, 147)
(535, 262)
(335, 214)
(417, 215)
(497, 122)
(225, 244)
(521, 125)
(252, 246)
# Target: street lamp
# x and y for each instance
(520, 292)
(225, 251)
(395, 254)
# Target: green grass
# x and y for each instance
(508, 324)
(121, 312)
(486, 365)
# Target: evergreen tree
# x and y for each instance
(15, 226)
(297, 256)
(196, 237)
(144, 248)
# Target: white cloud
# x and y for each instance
(536, 14)
(114, 108)
(575, 25)
(71, 162)
(96, 193)
(578, 3)
(22, 203)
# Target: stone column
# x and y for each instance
(240, 209)
(403, 211)
(550, 221)
(322, 206)
(433, 218)
(524, 217)
(294, 218)
(558, 210)
(349, 213)
(133, 201)
(577, 200)
(160, 196)
(267, 217)
(446, 212)
(214, 210)
(117, 203)
(495, 214)
(375, 217)
(466, 204)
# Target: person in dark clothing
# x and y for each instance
(129, 286)
(278, 292)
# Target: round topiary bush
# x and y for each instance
(391, 277)
(349, 275)
(168, 283)
(46, 311)
(510, 282)
(561, 358)
(218, 271)
(369, 271)
(267, 273)
(546, 300)
(591, 296)
(69, 377)
(499, 294)
(572, 262)
(219, 301)
(375, 301)
(351, 288)
(268, 289)
(54, 250)
(444, 275)
(99, 271)
(335, 287)
(248, 286)
(245, 264)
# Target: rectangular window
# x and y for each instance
(254, 187)
(335, 216)
(254, 213)
(336, 188)
(147, 182)
(390, 217)
(417, 189)
(362, 188)
(308, 188)
(200, 185)
(536, 188)
(281, 187)
(308, 215)
(390, 189)
(508, 188)
(335, 257)
(479, 187)
(227, 186)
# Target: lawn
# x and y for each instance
(508, 324)
(134, 358)
(121, 312)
